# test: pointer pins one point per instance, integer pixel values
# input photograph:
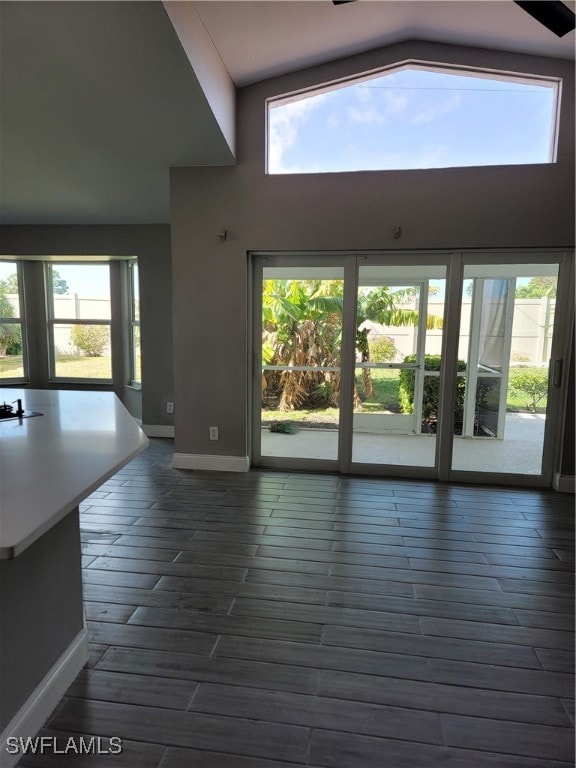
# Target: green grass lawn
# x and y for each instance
(317, 417)
(11, 367)
(386, 384)
(82, 367)
(67, 366)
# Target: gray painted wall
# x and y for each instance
(489, 207)
(151, 244)
(41, 612)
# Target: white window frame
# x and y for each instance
(133, 323)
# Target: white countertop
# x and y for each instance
(50, 463)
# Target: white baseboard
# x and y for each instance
(564, 483)
(41, 702)
(206, 461)
(158, 430)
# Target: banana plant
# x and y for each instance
(302, 326)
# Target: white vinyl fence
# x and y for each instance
(531, 331)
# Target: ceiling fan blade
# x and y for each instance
(342, 2)
(553, 14)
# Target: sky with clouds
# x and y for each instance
(413, 118)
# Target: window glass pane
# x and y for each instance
(135, 292)
(301, 349)
(398, 339)
(11, 361)
(377, 390)
(488, 391)
(9, 293)
(494, 299)
(11, 353)
(80, 291)
(414, 117)
(82, 351)
(435, 325)
(136, 356)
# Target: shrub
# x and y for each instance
(431, 389)
(532, 385)
(10, 340)
(382, 349)
(9, 333)
(320, 397)
(520, 357)
(15, 346)
(91, 339)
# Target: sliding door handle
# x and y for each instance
(557, 372)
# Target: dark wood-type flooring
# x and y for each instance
(278, 619)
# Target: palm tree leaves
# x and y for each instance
(380, 304)
(300, 300)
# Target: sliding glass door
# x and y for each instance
(347, 362)
(436, 365)
(398, 358)
(299, 360)
(511, 345)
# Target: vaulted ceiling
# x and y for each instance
(257, 40)
(98, 100)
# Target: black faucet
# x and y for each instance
(7, 412)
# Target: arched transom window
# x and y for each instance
(414, 116)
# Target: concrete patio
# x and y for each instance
(520, 451)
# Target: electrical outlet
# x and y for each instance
(213, 433)
(169, 407)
